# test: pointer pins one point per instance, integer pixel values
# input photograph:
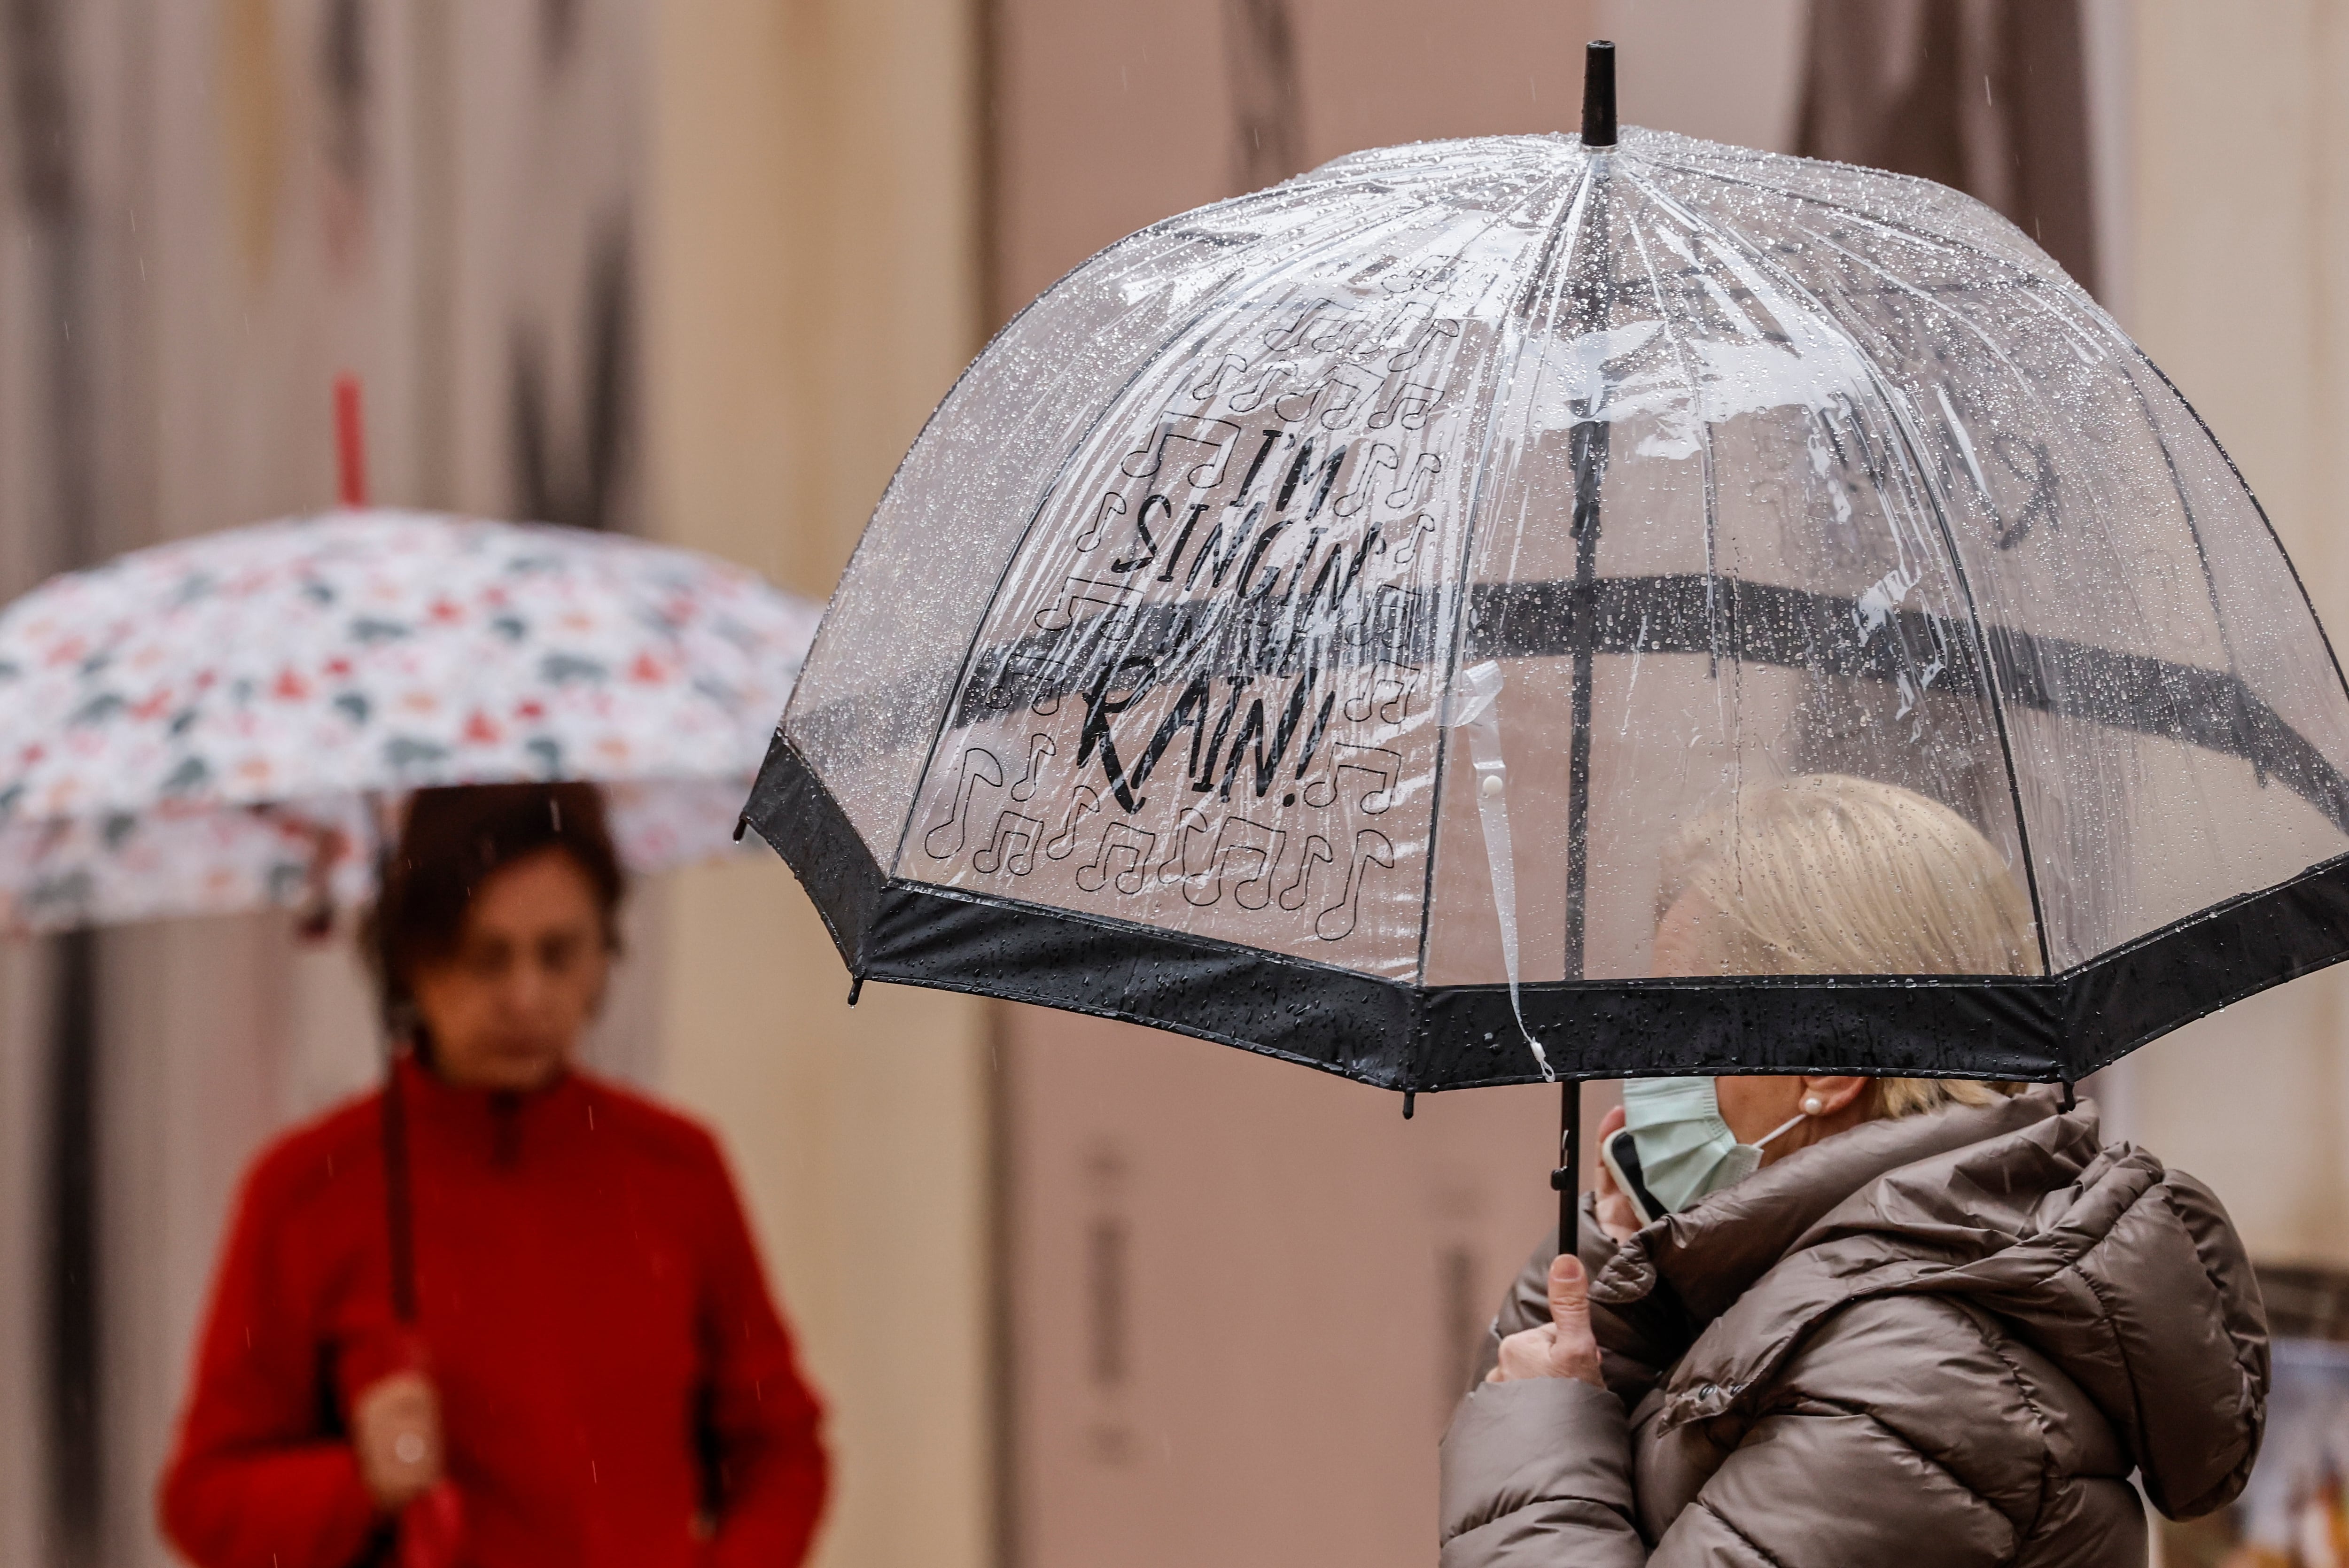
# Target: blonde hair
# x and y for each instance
(1829, 874)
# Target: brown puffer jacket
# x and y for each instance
(1936, 1342)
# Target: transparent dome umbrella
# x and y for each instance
(1306, 625)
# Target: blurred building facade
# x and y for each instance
(588, 257)
(699, 268)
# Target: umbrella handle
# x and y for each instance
(1567, 1178)
(399, 1219)
(399, 1203)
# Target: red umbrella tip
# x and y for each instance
(350, 441)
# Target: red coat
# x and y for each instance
(590, 1309)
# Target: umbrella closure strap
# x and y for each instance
(1477, 716)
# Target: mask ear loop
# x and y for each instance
(1478, 697)
(1798, 1117)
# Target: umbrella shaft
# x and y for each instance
(1588, 446)
(1567, 1176)
(399, 1221)
(1589, 471)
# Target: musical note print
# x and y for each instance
(1416, 349)
(1385, 699)
(1251, 384)
(1409, 406)
(1295, 406)
(1350, 386)
(1120, 841)
(1111, 505)
(1254, 847)
(1316, 852)
(1389, 697)
(1109, 596)
(1377, 456)
(1317, 326)
(1375, 762)
(1399, 329)
(1019, 830)
(1086, 801)
(1192, 821)
(1040, 747)
(1268, 381)
(1411, 491)
(1284, 482)
(1191, 430)
(1336, 922)
(1203, 386)
(1241, 838)
(1410, 533)
(978, 765)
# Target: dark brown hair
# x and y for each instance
(454, 841)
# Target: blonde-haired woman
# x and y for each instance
(1838, 1320)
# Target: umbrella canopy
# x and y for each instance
(1308, 624)
(207, 725)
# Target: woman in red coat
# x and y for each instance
(576, 1361)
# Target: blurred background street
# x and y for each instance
(1078, 1294)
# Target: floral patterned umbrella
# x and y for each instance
(216, 725)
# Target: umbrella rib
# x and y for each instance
(2306, 603)
(1705, 455)
(2193, 527)
(1501, 387)
(1922, 237)
(1932, 301)
(2238, 688)
(1907, 437)
(1589, 442)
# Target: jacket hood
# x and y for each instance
(2126, 1275)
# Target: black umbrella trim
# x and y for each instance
(1396, 1036)
(1795, 628)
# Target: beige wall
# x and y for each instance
(2239, 258)
(811, 292)
(224, 270)
(794, 187)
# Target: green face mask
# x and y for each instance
(1685, 1149)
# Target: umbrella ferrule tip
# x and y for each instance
(1599, 93)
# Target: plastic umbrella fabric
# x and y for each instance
(1306, 623)
(208, 726)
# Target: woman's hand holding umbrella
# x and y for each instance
(1562, 1347)
(396, 1429)
(395, 1435)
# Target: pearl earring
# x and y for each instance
(1811, 1105)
